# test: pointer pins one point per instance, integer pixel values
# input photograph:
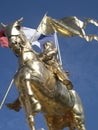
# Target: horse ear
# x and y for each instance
(2, 25)
(20, 20)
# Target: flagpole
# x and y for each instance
(57, 44)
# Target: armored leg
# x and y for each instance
(62, 76)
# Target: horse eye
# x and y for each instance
(18, 27)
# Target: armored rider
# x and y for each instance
(49, 57)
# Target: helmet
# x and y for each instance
(48, 44)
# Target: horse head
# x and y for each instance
(15, 35)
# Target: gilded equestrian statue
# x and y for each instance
(39, 89)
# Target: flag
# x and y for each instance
(68, 26)
(3, 39)
(31, 34)
(36, 38)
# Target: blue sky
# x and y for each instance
(79, 57)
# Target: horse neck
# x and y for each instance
(27, 54)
